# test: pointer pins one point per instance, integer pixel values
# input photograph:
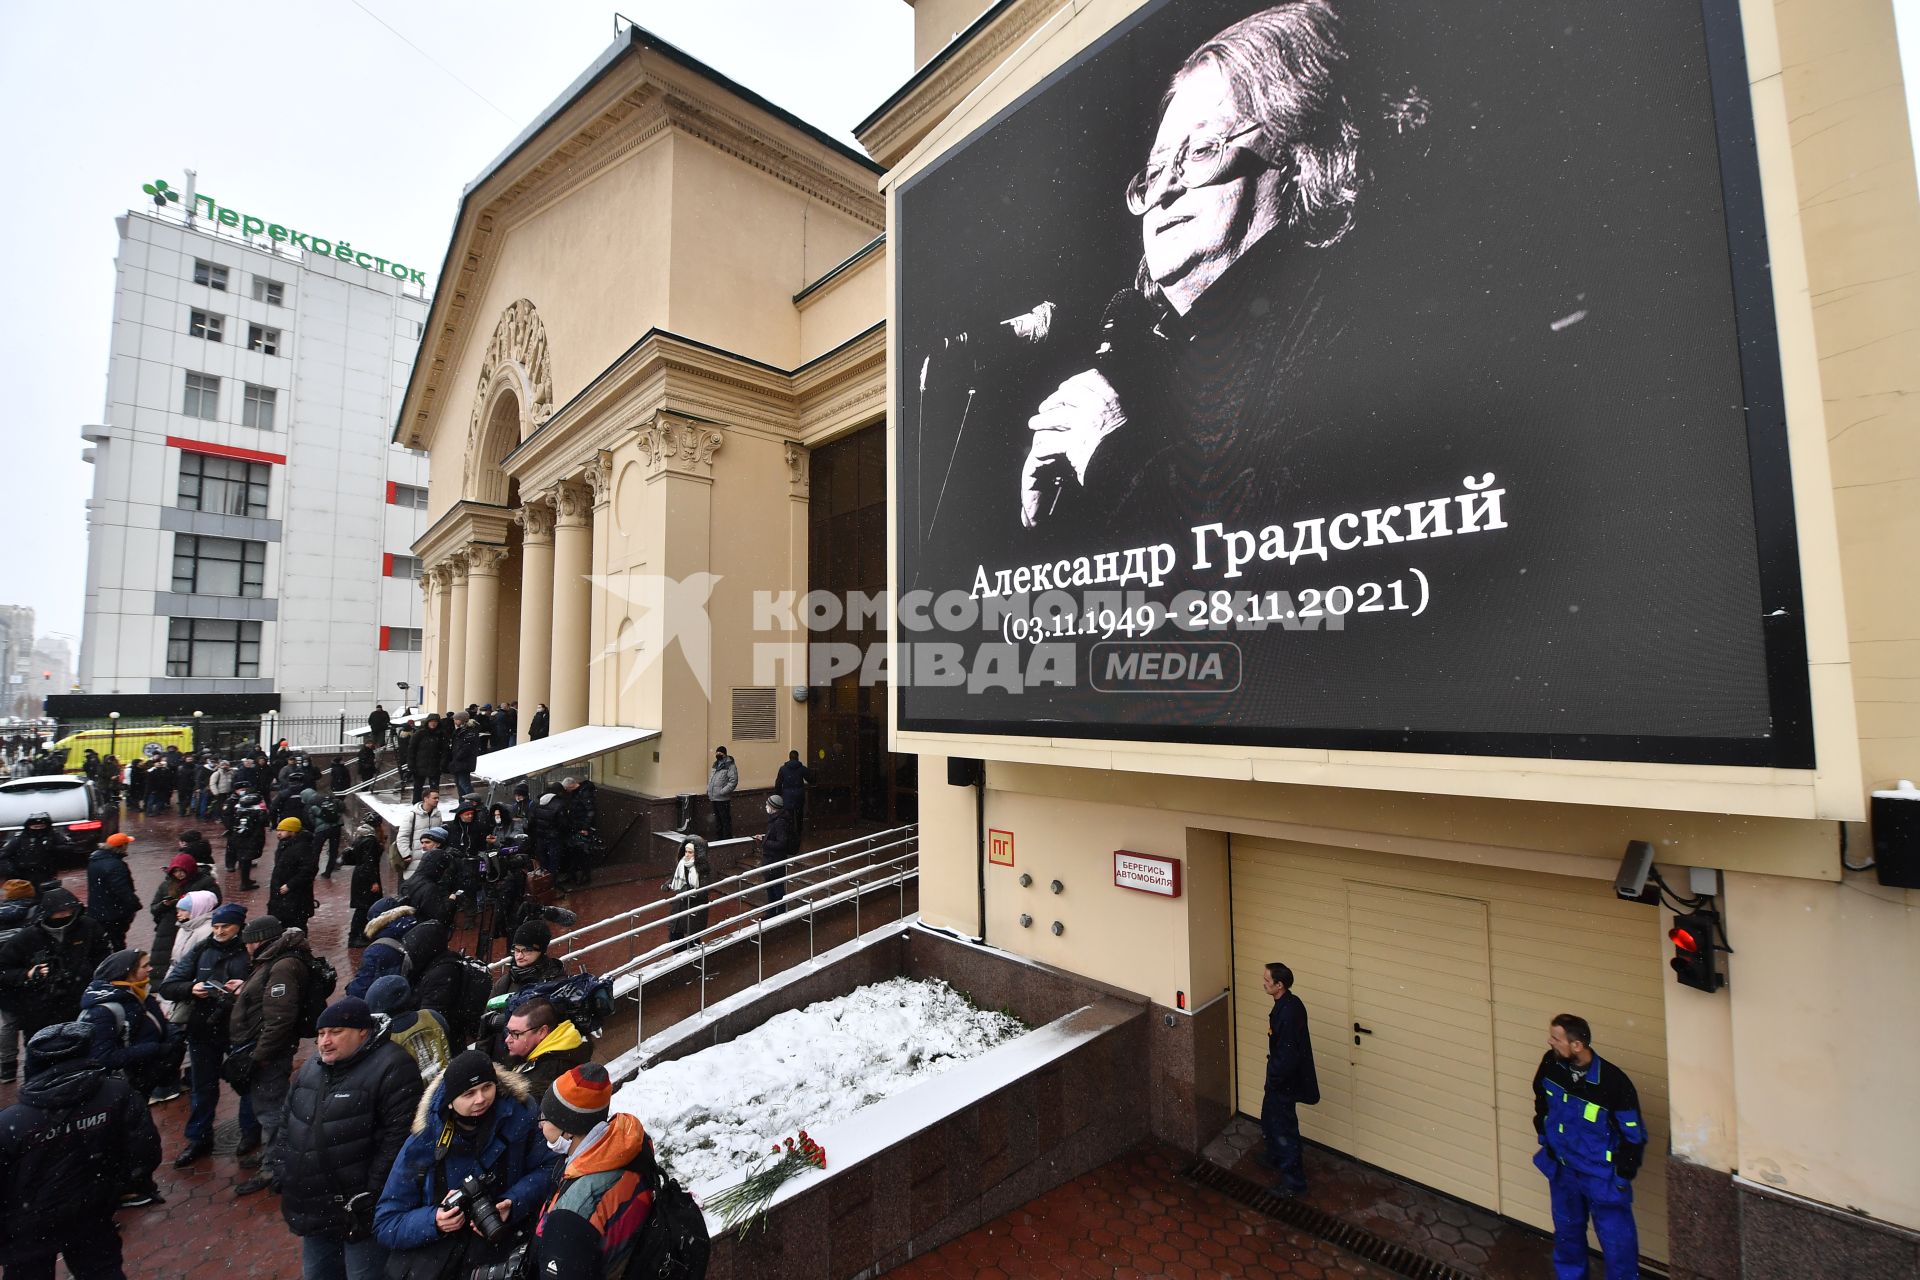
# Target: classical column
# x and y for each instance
(483, 621)
(536, 605)
(572, 601)
(429, 632)
(438, 696)
(602, 695)
(456, 682)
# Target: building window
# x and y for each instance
(407, 495)
(224, 486)
(262, 339)
(400, 639)
(204, 324)
(404, 567)
(257, 411)
(203, 397)
(213, 647)
(218, 566)
(210, 274)
(268, 291)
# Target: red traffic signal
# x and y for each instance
(1693, 952)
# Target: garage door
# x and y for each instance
(1429, 986)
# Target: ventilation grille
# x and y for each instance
(754, 715)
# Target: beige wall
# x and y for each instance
(1824, 1038)
(935, 22)
(743, 244)
(849, 304)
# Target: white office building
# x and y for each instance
(250, 520)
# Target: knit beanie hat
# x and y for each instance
(347, 1011)
(289, 825)
(265, 929)
(17, 891)
(533, 933)
(119, 966)
(468, 1069)
(578, 1100)
(229, 913)
(391, 994)
(119, 840)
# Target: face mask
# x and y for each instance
(561, 1145)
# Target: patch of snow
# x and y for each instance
(717, 1113)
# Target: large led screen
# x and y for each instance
(1381, 376)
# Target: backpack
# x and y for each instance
(322, 978)
(673, 1243)
(325, 812)
(471, 991)
(406, 961)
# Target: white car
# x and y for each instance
(68, 799)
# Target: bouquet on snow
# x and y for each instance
(745, 1205)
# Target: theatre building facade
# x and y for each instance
(1355, 483)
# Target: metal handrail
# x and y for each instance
(809, 889)
(746, 881)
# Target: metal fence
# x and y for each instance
(321, 735)
(815, 881)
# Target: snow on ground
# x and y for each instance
(715, 1114)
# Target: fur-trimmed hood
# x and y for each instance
(385, 918)
(433, 1104)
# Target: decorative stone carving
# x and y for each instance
(520, 343)
(599, 477)
(457, 567)
(683, 448)
(799, 470)
(484, 559)
(535, 518)
(572, 504)
(441, 574)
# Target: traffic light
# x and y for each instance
(1693, 948)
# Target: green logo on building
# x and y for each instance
(162, 194)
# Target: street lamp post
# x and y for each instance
(113, 733)
(196, 730)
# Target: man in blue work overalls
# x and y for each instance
(1591, 1144)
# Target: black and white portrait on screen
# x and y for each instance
(1369, 299)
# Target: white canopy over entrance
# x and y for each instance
(562, 748)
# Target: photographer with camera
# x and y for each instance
(246, 833)
(433, 890)
(45, 966)
(469, 1181)
(348, 1113)
(34, 852)
(203, 984)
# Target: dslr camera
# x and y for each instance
(472, 1199)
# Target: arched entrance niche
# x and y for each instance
(513, 399)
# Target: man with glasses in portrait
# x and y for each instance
(1198, 385)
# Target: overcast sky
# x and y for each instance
(319, 114)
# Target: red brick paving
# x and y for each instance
(1133, 1219)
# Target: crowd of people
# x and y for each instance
(421, 1133)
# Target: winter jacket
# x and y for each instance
(505, 1150)
(545, 969)
(1290, 1073)
(367, 856)
(35, 856)
(200, 906)
(1588, 1121)
(464, 754)
(295, 863)
(72, 954)
(778, 844)
(559, 1051)
(431, 888)
(604, 1199)
(723, 779)
(130, 1035)
(166, 901)
(366, 764)
(384, 953)
(537, 725)
(77, 1138)
(339, 777)
(791, 783)
(111, 897)
(216, 964)
(268, 1010)
(345, 1124)
(429, 751)
(247, 836)
(407, 832)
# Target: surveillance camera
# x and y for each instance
(1635, 867)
